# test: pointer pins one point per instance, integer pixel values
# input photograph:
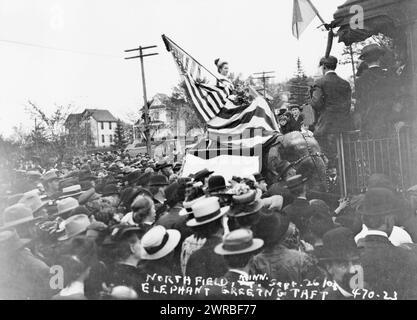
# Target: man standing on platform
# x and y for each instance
(376, 90)
(331, 99)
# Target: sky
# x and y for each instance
(89, 69)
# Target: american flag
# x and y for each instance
(244, 127)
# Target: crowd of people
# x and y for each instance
(108, 225)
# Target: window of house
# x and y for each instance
(102, 125)
(102, 138)
(111, 138)
(156, 115)
(110, 125)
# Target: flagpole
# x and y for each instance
(165, 38)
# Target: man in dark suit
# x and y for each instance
(375, 93)
(331, 100)
(299, 211)
(296, 119)
(388, 270)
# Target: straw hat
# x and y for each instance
(33, 201)
(16, 215)
(159, 242)
(238, 242)
(245, 204)
(74, 226)
(206, 210)
(188, 206)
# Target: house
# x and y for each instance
(162, 117)
(92, 127)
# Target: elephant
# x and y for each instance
(302, 150)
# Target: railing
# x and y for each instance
(359, 158)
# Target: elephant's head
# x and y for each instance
(303, 152)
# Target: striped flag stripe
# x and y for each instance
(201, 101)
(197, 103)
(244, 117)
(208, 104)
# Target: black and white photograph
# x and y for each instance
(207, 156)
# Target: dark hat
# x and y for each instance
(134, 176)
(236, 179)
(216, 183)
(144, 179)
(295, 181)
(86, 185)
(245, 204)
(177, 167)
(294, 106)
(282, 111)
(161, 165)
(371, 49)
(68, 182)
(272, 226)
(120, 231)
(258, 177)
(85, 175)
(338, 244)
(379, 202)
(202, 174)
(158, 180)
(110, 189)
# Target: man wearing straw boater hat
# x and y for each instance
(207, 224)
(237, 248)
(157, 255)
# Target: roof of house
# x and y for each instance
(159, 100)
(100, 115)
(73, 118)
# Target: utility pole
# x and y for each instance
(146, 109)
(264, 77)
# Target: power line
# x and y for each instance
(141, 55)
(27, 44)
(264, 79)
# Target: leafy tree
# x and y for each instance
(49, 137)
